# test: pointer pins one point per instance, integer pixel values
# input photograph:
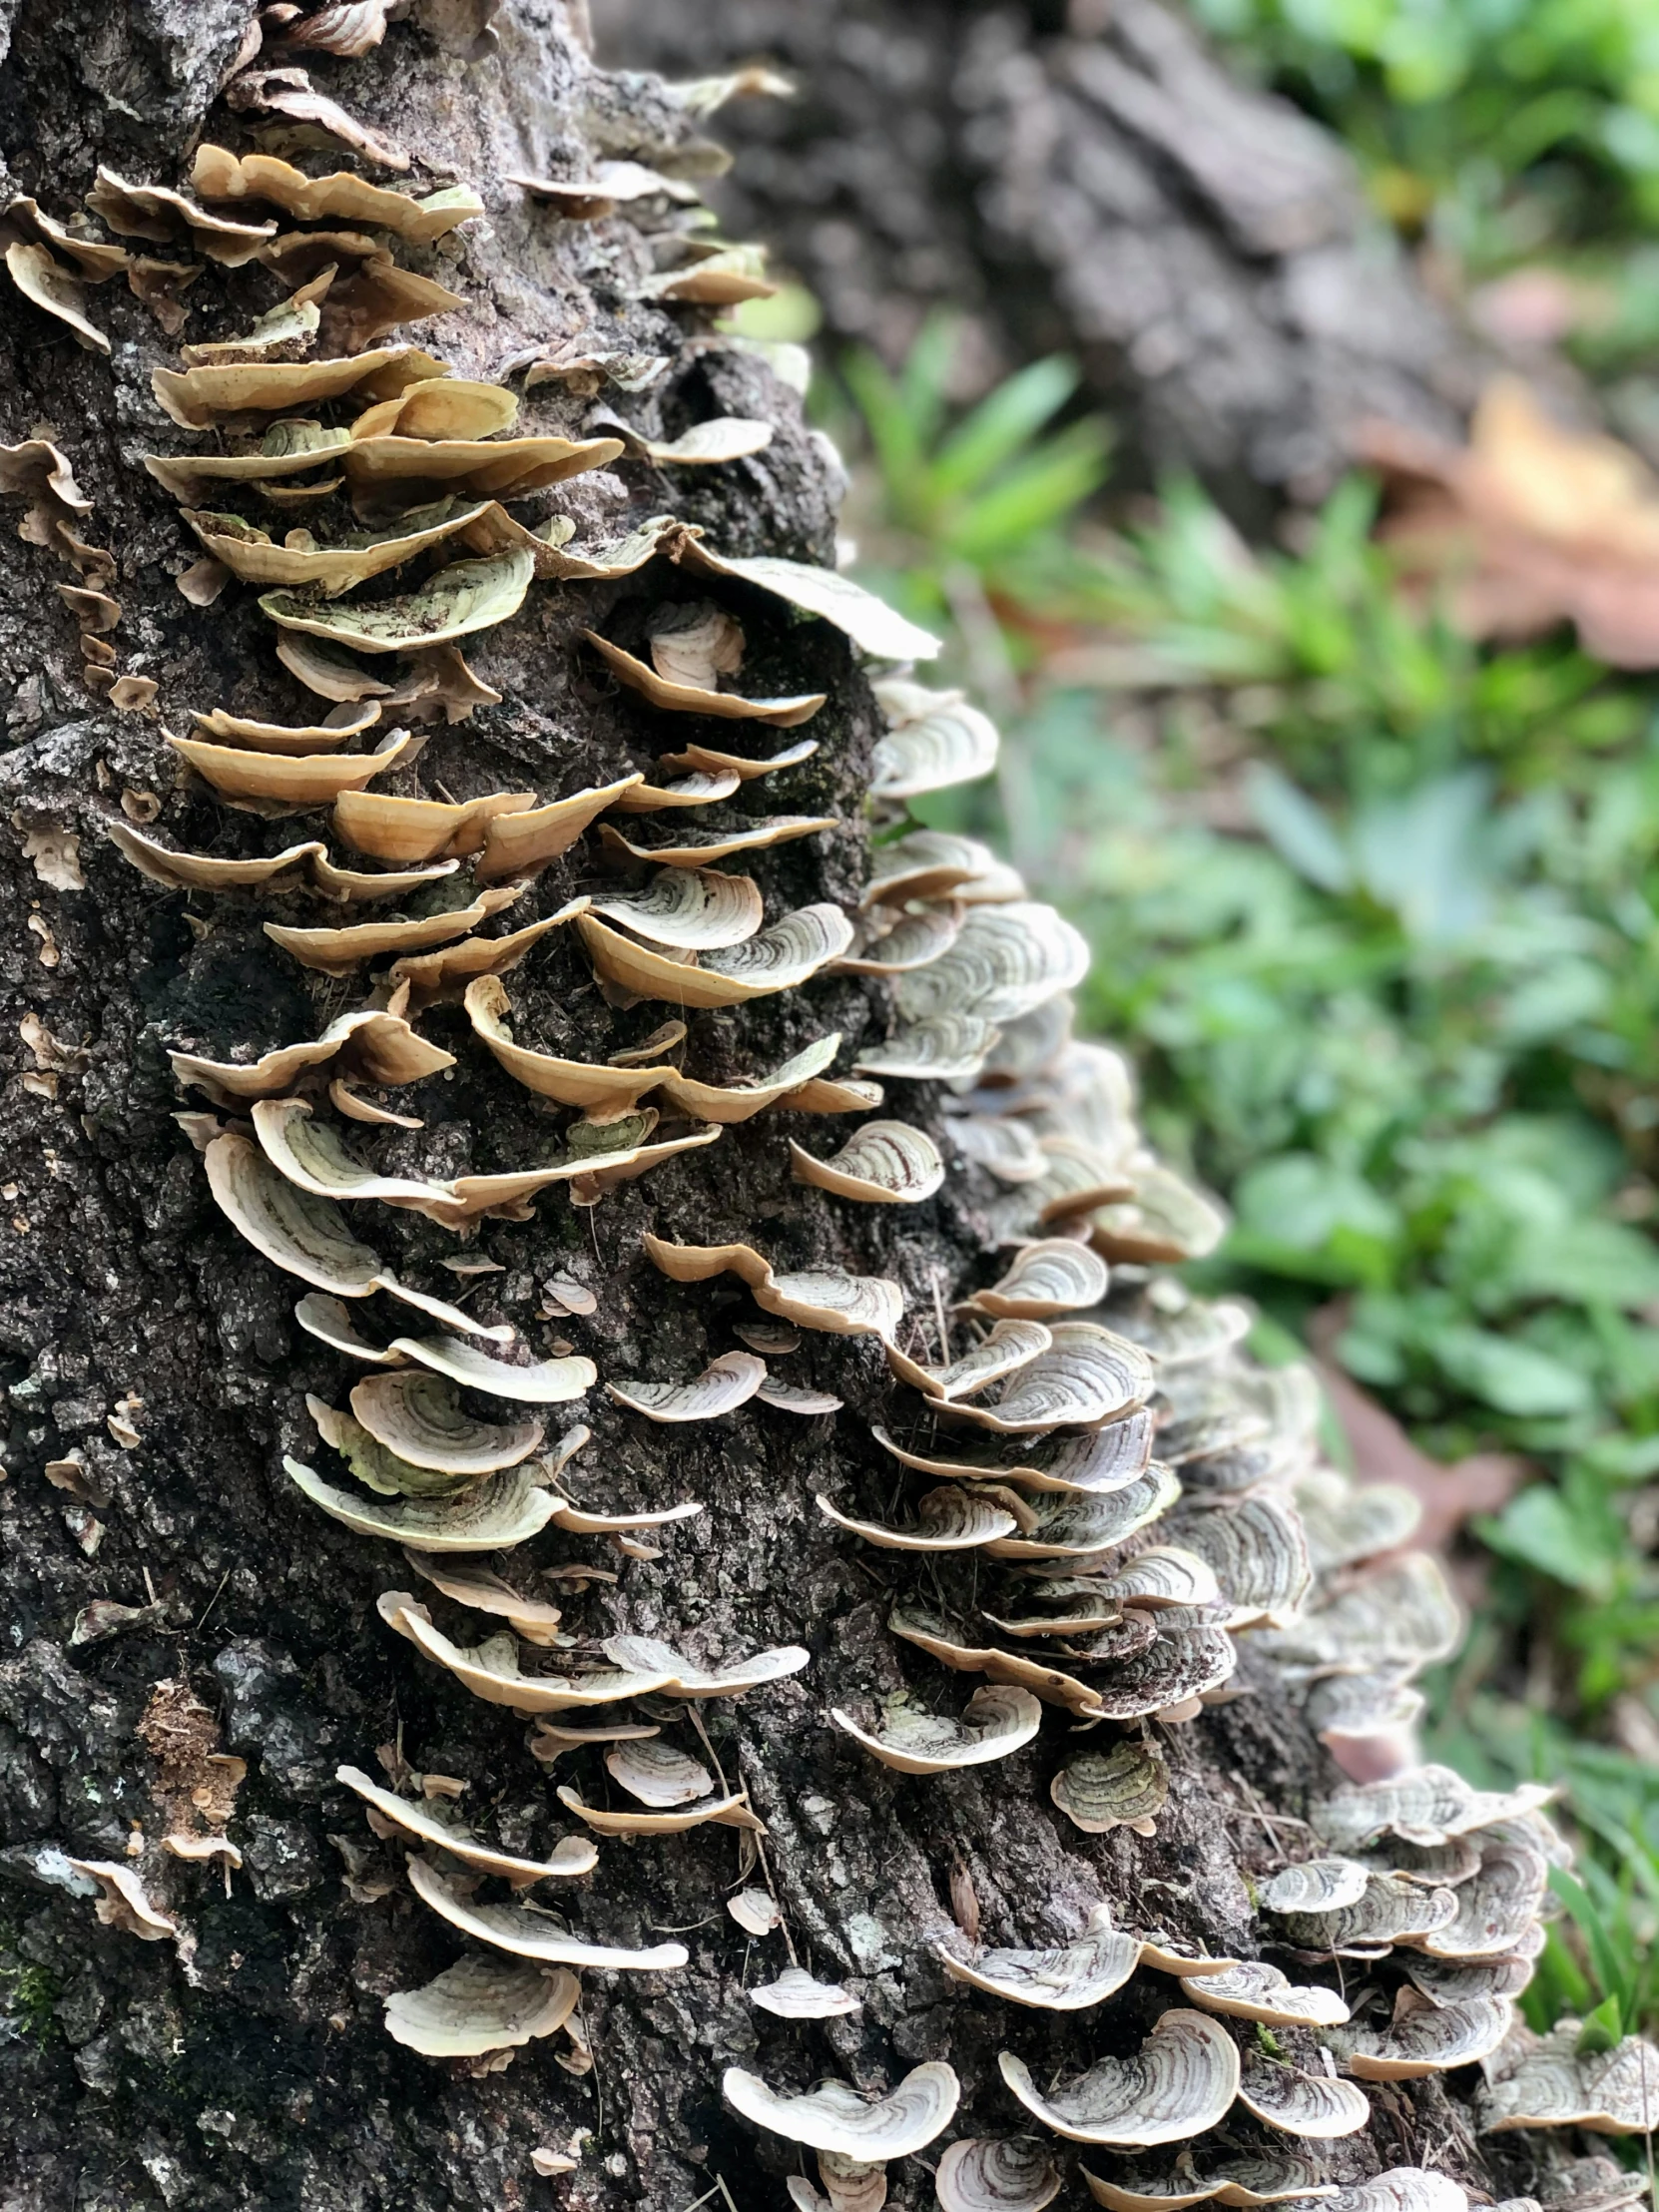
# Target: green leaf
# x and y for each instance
(1298, 831)
(1603, 2029)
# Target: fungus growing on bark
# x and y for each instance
(834, 2117)
(123, 1904)
(288, 780)
(1544, 2082)
(987, 2174)
(492, 1515)
(343, 197)
(933, 740)
(574, 1855)
(994, 1724)
(481, 2005)
(1254, 1990)
(886, 1163)
(703, 699)
(1183, 2080)
(1315, 2107)
(724, 1385)
(525, 1931)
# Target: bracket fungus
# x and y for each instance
(703, 699)
(1315, 2107)
(834, 2117)
(989, 2173)
(492, 1515)
(1432, 2038)
(525, 1931)
(1544, 2082)
(421, 1417)
(481, 2005)
(1241, 2181)
(1254, 1990)
(884, 1163)
(1067, 1978)
(123, 1904)
(1127, 1787)
(724, 1385)
(778, 959)
(573, 1857)
(1181, 2083)
(994, 1724)
(1049, 1278)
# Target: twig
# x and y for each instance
(214, 1600)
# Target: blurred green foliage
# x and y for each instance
(1452, 104)
(1376, 912)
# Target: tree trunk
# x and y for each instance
(176, 1604)
(1103, 189)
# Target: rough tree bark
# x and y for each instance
(1088, 181)
(172, 1599)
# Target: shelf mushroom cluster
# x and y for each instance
(1147, 1502)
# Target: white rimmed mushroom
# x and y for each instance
(1065, 1978)
(1542, 2081)
(1254, 1990)
(590, 1085)
(461, 599)
(419, 1416)
(1127, 1787)
(835, 2118)
(1241, 2181)
(932, 1633)
(1086, 1377)
(740, 1101)
(703, 699)
(124, 1904)
(491, 1671)
(481, 2005)
(338, 950)
(526, 1931)
(756, 1911)
(796, 1398)
(204, 872)
(884, 1163)
(873, 627)
(581, 1523)
(410, 831)
(308, 1237)
(687, 910)
(371, 1043)
(745, 767)
(731, 1810)
(1053, 1275)
(990, 2173)
(312, 1155)
(1432, 2038)
(777, 959)
(799, 1995)
(934, 864)
(1315, 2107)
(340, 197)
(572, 1857)
(947, 1048)
(1071, 1526)
(538, 1383)
(994, 1724)
(658, 1775)
(289, 778)
(1315, 1886)
(521, 840)
(1010, 1345)
(933, 740)
(820, 1298)
(1388, 1911)
(1403, 2189)
(256, 558)
(491, 1515)
(1105, 1460)
(485, 1593)
(724, 1385)
(1181, 2081)
(1259, 1558)
(683, 1677)
(1427, 1805)
(946, 1520)
(1006, 960)
(1498, 1907)
(1454, 1982)
(911, 939)
(701, 848)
